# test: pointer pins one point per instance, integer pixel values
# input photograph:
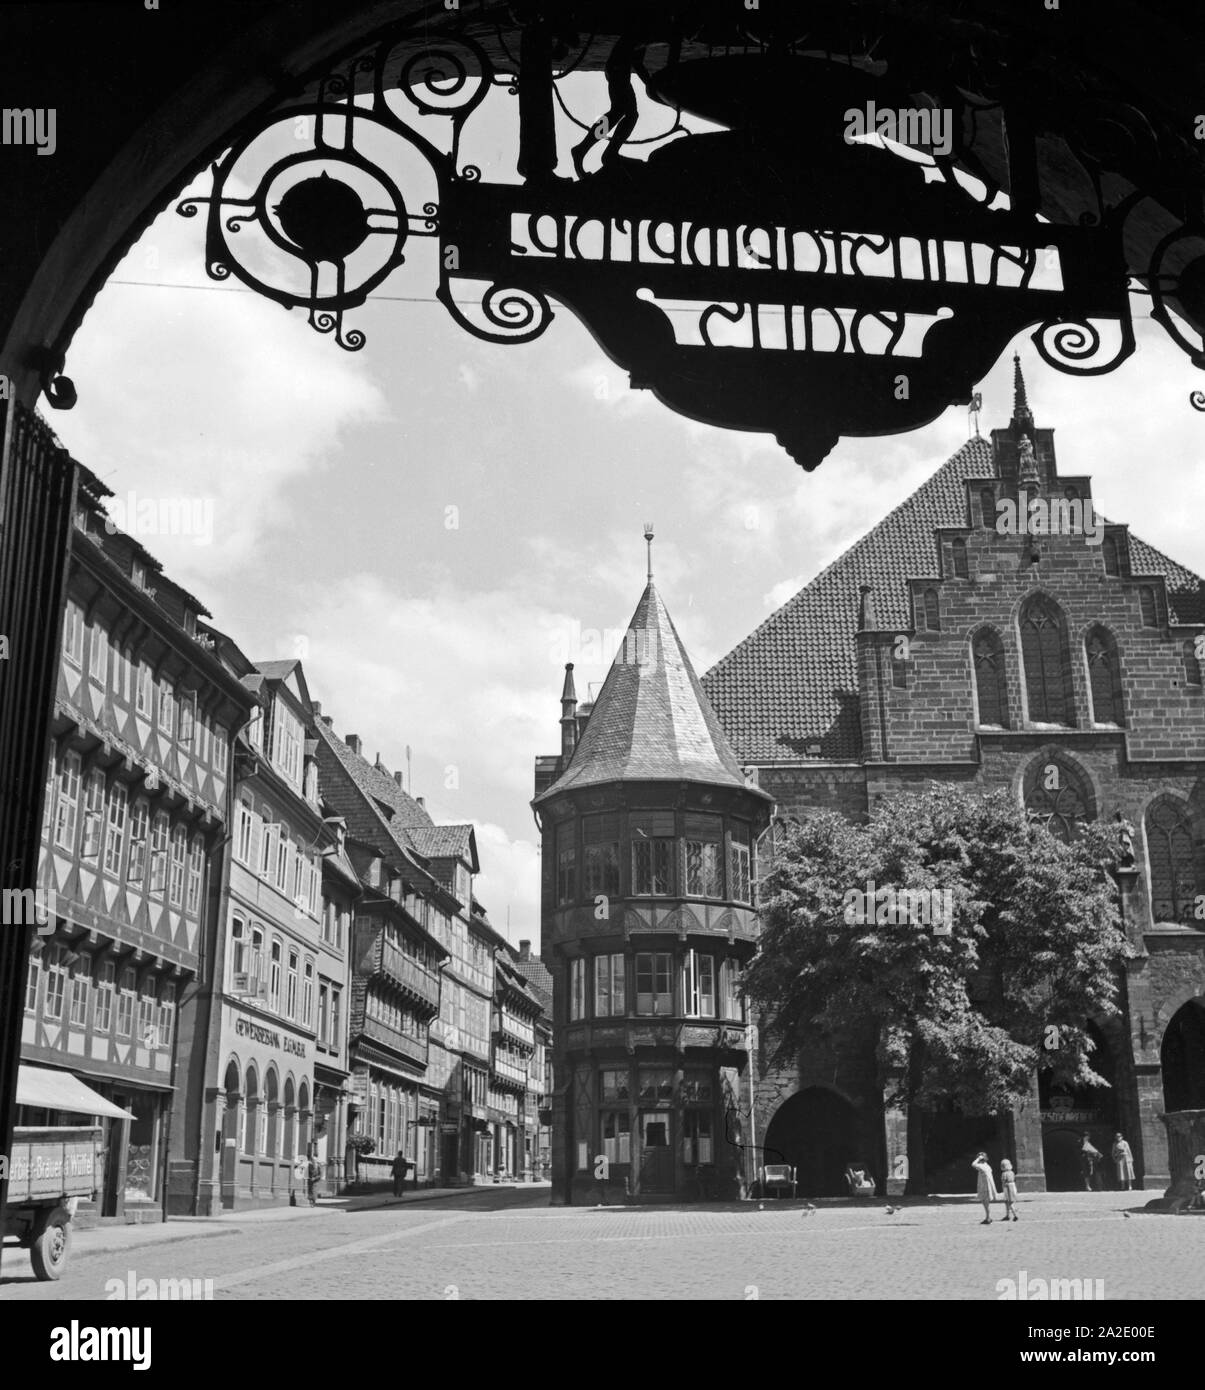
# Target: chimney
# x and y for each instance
(422, 801)
(316, 709)
(380, 766)
(400, 780)
(568, 715)
(524, 950)
(353, 742)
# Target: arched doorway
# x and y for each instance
(816, 1132)
(1070, 1112)
(1183, 1058)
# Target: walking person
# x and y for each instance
(1123, 1161)
(401, 1166)
(313, 1173)
(987, 1186)
(1089, 1157)
(1008, 1181)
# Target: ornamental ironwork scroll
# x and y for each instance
(751, 276)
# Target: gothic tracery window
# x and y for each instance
(1058, 797)
(990, 691)
(1172, 857)
(1043, 653)
(1104, 676)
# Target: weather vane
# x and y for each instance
(648, 540)
(976, 404)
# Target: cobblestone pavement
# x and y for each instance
(510, 1244)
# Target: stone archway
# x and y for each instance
(1182, 1055)
(816, 1131)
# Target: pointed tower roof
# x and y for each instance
(1022, 415)
(651, 721)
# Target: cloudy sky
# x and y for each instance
(436, 524)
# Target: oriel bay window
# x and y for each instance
(600, 866)
(656, 1085)
(613, 1084)
(654, 990)
(696, 1137)
(566, 863)
(740, 865)
(652, 854)
(730, 979)
(704, 839)
(698, 985)
(608, 986)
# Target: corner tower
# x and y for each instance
(649, 828)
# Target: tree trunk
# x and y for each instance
(917, 1183)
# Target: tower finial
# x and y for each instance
(648, 540)
(1021, 410)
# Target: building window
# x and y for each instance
(146, 1013)
(242, 843)
(32, 980)
(115, 835)
(577, 989)
(142, 690)
(336, 1041)
(655, 1084)
(608, 986)
(932, 611)
(615, 1128)
(98, 665)
(315, 880)
(255, 729)
(56, 971)
(1108, 549)
(1104, 676)
(613, 1083)
(991, 690)
(740, 864)
(323, 1012)
(283, 846)
(698, 985)
(307, 993)
(221, 749)
(600, 837)
(139, 821)
(1043, 653)
(1192, 663)
(257, 958)
(196, 872)
(300, 897)
(125, 1004)
(167, 709)
(238, 948)
(696, 1137)
(94, 809)
(179, 858)
(1148, 606)
(291, 986)
(958, 549)
(105, 979)
(987, 507)
(1172, 859)
(566, 864)
(73, 634)
(1057, 797)
(653, 987)
(188, 716)
(286, 739)
(899, 669)
(167, 1015)
(67, 808)
(703, 849)
(81, 987)
(159, 853)
(653, 854)
(48, 799)
(730, 980)
(265, 844)
(274, 978)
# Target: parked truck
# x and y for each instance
(52, 1167)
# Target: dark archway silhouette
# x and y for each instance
(1183, 1058)
(1086, 1108)
(816, 1131)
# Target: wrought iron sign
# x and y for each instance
(768, 275)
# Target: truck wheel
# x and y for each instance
(48, 1251)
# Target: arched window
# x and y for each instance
(1172, 858)
(290, 1125)
(1058, 796)
(1108, 549)
(991, 694)
(987, 507)
(1192, 664)
(1150, 609)
(932, 611)
(1044, 656)
(272, 1105)
(251, 1113)
(959, 549)
(303, 1119)
(1104, 676)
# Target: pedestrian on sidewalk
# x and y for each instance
(1089, 1157)
(987, 1193)
(1123, 1161)
(1008, 1181)
(401, 1166)
(313, 1173)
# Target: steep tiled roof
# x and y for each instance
(651, 720)
(277, 670)
(444, 841)
(792, 683)
(539, 979)
(403, 810)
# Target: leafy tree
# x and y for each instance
(965, 1010)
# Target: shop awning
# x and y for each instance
(59, 1090)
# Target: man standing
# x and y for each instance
(1089, 1157)
(1123, 1161)
(401, 1166)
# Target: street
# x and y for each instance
(509, 1244)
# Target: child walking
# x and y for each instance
(1008, 1181)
